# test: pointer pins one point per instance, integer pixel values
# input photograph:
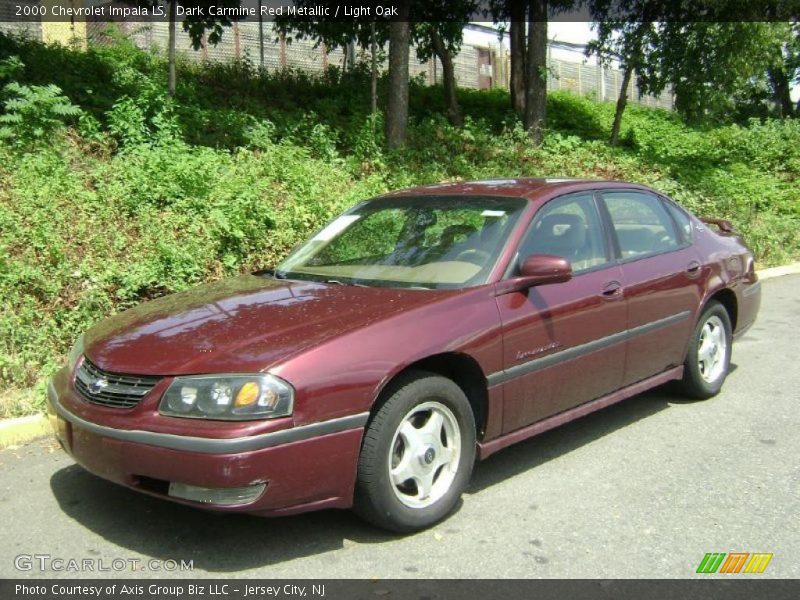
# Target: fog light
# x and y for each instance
(221, 496)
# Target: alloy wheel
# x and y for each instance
(425, 454)
(712, 349)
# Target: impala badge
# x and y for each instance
(522, 354)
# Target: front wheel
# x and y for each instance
(417, 455)
(709, 356)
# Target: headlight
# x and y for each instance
(75, 354)
(228, 397)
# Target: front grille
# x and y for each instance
(111, 389)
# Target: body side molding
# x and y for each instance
(576, 351)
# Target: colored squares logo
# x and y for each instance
(734, 562)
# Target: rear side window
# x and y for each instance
(682, 220)
(641, 224)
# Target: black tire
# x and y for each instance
(695, 383)
(377, 499)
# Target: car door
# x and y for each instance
(661, 274)
(561, 343)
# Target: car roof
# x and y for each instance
(533, 189)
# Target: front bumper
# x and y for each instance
(303, 468)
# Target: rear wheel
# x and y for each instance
(417, 455)
(709, 356)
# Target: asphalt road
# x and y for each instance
(642, 489)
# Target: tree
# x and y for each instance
(770, 94)
(785, 70)
(629, 38)
(445, 55)
(713, 68)
(437, 31)
(370, 36)
(172, 79)
(795, 60)
(536, 71)
(373, 68)
(518, 52)
(397, 106)
(514, 14)
(625, 40)
(709, 65)
(198, 26)
(442, 40)
(529, 56)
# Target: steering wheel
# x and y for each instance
(473, 255)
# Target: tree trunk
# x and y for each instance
(397, 106)
(622, 101)
(782, 92)
(449, 78)
(171, 76)
(350, 51)
(518, 58)
(373, 44)
(536, 72)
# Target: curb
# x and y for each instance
(14, 432)
(791, 269)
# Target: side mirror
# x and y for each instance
(537, 269)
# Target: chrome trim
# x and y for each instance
(575, 351)
(211, 445)
(118, 390)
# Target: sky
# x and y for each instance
(575, 33)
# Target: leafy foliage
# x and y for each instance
(136, 196)
(715, 69)
(31, 113)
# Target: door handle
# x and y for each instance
(693, 268)
(612, 290)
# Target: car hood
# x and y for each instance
(243, 324)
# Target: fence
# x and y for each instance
(481, 65)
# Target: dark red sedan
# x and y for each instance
(415, 332)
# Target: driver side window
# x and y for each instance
(569, 227)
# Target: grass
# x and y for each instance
(137, 195)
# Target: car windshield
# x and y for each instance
(408, 241)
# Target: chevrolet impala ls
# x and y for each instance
(416, 332)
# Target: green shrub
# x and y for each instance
(147, 195)
(33, 113)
